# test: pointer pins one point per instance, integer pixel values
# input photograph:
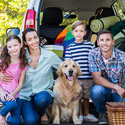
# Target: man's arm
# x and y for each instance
(123, 82)
(98, 79)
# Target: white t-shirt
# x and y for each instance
(105, 60)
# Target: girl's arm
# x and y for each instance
(3, 94)
(20, 85)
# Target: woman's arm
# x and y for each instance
(20, 85)
(5, 78)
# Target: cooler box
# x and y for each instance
(58, 50)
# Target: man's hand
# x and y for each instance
(120, 91)
(5, 78)
(122, 96)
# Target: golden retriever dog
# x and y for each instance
(66, 88)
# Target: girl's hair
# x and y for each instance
(6, 59)
(77, 23)
(30, 29)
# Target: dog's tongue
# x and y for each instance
(70, 78)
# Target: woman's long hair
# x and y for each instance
(6, 59)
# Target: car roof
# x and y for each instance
(77, 5)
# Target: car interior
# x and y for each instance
(56, 15)
(51, 20)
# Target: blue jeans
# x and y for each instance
(36, 107)
(14, 108)
(100, 95)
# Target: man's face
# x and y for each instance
(105, 42)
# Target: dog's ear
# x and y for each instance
(78, 69)
(59, 71)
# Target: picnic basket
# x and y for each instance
(116, 113)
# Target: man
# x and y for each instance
(107, 66)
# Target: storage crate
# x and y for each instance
(55, 48)
(116, 113)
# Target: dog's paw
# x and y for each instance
(77, 121)
(56, 121)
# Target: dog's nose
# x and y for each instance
(70, 72)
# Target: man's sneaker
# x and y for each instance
(81, 118)
(90, 118)
(103, 119)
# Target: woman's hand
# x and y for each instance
(3, 95)
(10, 97)
(5, 78)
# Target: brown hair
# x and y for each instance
(104, 32)
(6, 59)
(77, 23)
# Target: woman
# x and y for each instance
(36, 94)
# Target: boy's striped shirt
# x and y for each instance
(79, 52)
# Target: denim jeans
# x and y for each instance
(14, 108)
(36, 107)
(100, 95)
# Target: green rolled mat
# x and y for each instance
(103, 23)
(120, 34)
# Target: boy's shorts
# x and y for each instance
(86, 85)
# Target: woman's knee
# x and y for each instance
(43, 100)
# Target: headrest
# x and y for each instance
(52, 16)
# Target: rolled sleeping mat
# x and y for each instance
(103, 23)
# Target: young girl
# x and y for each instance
(13, 63)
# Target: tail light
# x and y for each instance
(30, 19)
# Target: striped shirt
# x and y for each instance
(79, 52)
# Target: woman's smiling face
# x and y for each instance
(32, 40)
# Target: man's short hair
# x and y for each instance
(104, 32)
(77, 23)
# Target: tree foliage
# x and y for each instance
(11, 14)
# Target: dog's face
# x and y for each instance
(70, 69)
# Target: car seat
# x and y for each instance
(52, 17)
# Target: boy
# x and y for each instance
(79, 51)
